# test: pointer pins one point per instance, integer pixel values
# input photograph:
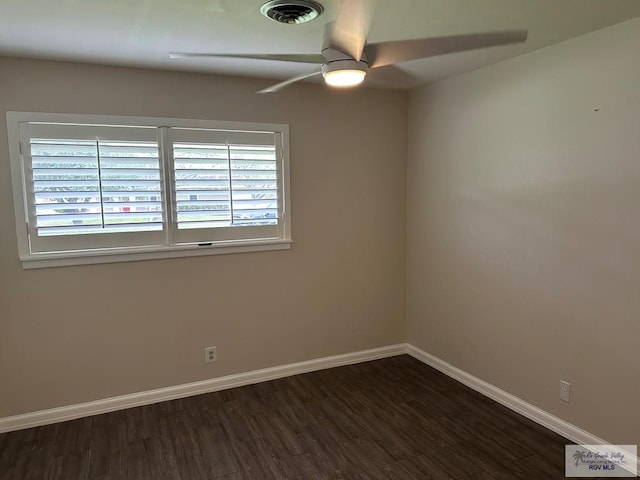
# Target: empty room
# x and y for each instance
(328, 239)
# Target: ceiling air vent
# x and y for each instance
(291, 11)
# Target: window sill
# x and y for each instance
(63, 259)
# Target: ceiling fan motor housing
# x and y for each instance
(292, 11)
(344, 65)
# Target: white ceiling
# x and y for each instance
(143, 32)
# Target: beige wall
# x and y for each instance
(74, 334)
(523, 227)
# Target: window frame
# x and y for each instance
(18, 138)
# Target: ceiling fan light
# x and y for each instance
(344, 78)
(344, 73)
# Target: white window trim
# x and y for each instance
(125, 254)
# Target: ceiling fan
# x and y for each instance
(346, 57)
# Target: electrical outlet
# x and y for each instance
(210, 355)
(565, 391)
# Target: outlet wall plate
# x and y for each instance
(565, 391)
(210, 354)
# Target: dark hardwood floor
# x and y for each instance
(388, 419)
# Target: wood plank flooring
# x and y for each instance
(394, 418)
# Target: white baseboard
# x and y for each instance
(60, 414)
(553, 423)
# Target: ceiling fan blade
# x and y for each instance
(281, 85)
(284, 57)
(388, 53)
(348, 33)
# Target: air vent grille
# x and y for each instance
(291, 11)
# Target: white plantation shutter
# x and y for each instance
(226, 185)
(94, 187)
(254, 182)
(203, 198)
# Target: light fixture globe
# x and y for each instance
(344, 73)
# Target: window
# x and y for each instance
(92, 189)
